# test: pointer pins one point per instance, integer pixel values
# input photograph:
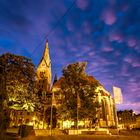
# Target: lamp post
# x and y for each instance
(78, 105)
(51, 117)
(77, 114)
(34, 118)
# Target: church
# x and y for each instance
(107, 116)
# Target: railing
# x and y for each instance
(46, 132)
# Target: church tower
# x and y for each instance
(44, 74)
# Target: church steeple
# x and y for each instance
(46, 50)
(55, 79)
(44, 71)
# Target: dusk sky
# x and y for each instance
(104, 33)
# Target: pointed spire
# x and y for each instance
(46, 50)
(45, 67)
(55, 79)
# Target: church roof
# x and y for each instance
(45, 53)
(57, 84)
(104, 92)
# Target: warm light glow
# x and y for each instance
(81, 123)
(69, 124)
(34, 118)
(30, 123)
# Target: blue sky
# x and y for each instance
(104, 33)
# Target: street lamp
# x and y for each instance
(78, 105)
(53, 103)
(34, 118)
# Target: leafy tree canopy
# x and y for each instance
(18, 81)
(78, 90)
(48, 116)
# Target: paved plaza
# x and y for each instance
(82, 137)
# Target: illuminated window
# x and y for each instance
(27, 120)
(42, 74)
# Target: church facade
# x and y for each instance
(43, 73)
(107, 116)
(106, 113)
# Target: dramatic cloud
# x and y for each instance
(115, 36)
(82, 4)
(108, 16)
(129, 106)
(104, 33)
(131, 42)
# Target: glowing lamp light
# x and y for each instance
(34, 118)
(31, 123)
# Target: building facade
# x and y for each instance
(127, 119)
(43, 73)
(51, 96)
(43, 85)
(106, 116)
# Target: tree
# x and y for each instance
(18, 81)
(78, 90)
(48, 116)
